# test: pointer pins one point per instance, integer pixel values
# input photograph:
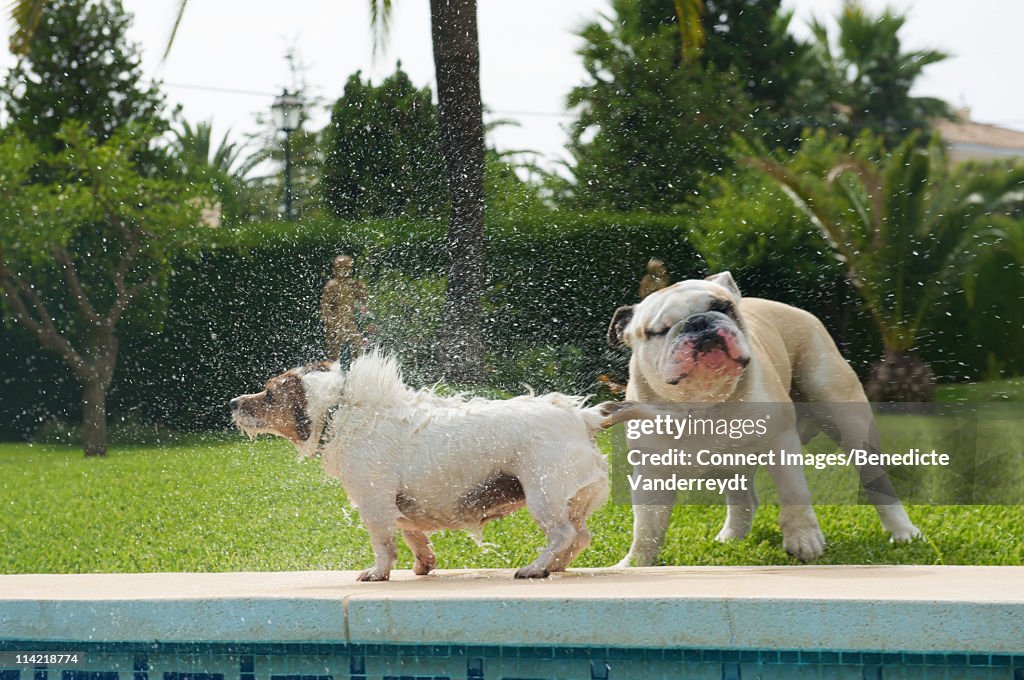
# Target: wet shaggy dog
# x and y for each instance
(415, 461)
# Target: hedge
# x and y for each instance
(245, 306)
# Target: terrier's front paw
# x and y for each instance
(374, 575)
(532, 571)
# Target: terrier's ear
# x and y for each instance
(725, 280)
(303, 424)
(621, 319)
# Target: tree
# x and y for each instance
(382, 155)
(82, 68)
(649, 124)
(87, 219)
(78, 254)
(868, 77)
(908, 230)
(218, 170)
(456, 44)
(460, 116)
(457, 71)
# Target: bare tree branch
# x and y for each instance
(124, 299)
(20, 295)
(75, 285)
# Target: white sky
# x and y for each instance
(225, 51)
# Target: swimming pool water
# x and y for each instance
(321, 661)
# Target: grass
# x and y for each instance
(226, 504)
(1006, 390)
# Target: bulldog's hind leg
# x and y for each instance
(739, 514)
(853, 427)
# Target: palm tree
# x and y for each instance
(869, 77)
(193, 147)
(908, 230)
(222, 168)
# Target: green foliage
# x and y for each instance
(748, 226)
(406, 319)
(648, 125)
(907, 228)
(554, 279)
(382, 154)
(107, 210)
(220, 171)
(78, 255)
(80, 66)
(868, 77)
(751, 39)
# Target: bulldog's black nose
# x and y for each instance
(697, 323)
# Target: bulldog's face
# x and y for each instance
(687, 339)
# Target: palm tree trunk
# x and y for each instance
(460, 110)
(900, 376)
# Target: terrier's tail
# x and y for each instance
(604, 415)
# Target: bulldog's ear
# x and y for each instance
(725, 280)
(621, 319)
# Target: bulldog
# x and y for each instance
(700, 341)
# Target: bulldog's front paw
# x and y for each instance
(730, 534)
(805, 544)
(532, 571)
(905, 534)
(374, 575)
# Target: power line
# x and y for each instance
(225, 90)
(259, 93)
(536, 114)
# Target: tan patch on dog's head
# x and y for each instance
(281, 407)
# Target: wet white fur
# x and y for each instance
(382, 439)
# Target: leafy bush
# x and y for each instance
(383, 153)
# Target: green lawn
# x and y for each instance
(1007, 390)
(225, 503)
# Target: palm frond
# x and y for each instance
(174, 28)
(690, 16)
(380, 23)
(25, 16)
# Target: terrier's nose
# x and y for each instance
(234, 403)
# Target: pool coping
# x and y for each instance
(877, 608)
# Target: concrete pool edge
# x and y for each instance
(884, 608)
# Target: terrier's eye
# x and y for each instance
(268, 398)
